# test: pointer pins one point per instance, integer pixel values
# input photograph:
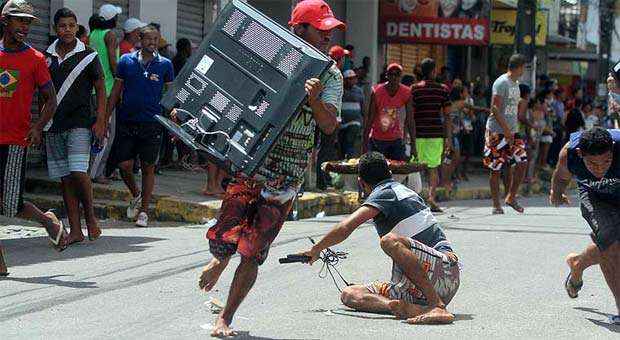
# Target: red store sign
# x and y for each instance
(445, 31)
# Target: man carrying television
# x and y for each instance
(254, 209)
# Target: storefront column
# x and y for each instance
(82, 8)
(363, 33)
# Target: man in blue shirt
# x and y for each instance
(425, 274)
(141, 79)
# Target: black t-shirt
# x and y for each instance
(606, 188)
(75, 109)
(403, 211)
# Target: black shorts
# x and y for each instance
(394, 150)
(137, 139)
(12, 179)
(603, 217)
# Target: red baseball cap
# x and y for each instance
(337, 52)
(316, 13)
(395, 65)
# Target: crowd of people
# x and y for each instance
(424, 117)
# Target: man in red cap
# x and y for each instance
(338, 53)
(390, 111)
(254, 209)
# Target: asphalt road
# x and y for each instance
(141, 283)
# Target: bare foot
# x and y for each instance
(435, 316)
(211, 273)
(572, 260)
(403, 310)
(222, 329)
(75, 237)
(93, 231)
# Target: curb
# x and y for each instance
(112, 203)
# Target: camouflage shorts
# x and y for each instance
(443, 274)
(497, 152)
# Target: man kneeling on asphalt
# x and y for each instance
(425, 273)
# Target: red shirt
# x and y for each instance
(390, 111)
(126, 47)
(21, 72)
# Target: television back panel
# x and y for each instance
(242, 88)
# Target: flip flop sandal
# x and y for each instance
(515, 205)
(614, 319)
(572, 289)
(62, 234)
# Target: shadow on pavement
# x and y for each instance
(27, 251)
(605, 324)
(52, 280)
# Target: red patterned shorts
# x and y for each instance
(249, 220)
(497, 152)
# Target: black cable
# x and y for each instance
(330, 259)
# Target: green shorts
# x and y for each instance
(430, 151)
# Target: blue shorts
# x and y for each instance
(67, 152)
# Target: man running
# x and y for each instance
(22, 70)
(503, 145)
(425, 273)
(593, 157)
(254, 209)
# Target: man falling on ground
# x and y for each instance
(593, 157)
(254, 209)
(425, 273)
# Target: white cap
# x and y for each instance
(108, 11)
(349, 74)
(133, 24)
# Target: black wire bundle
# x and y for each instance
(330, 259)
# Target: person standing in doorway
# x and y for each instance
(504, 146)
(103, 41)
(75, 71)
(433, 126)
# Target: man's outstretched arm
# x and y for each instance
(342, 231)
(560, 180)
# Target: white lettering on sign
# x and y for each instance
(392, 29)
(429, 30)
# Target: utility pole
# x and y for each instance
(606, 11)
(525, 37)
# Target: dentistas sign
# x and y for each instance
(446, 22)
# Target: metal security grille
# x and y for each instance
(261, 41)
(39, 35)
(191, 20)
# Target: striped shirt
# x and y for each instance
(286, 163)
(429, 98)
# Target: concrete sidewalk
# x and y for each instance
(178, 197)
